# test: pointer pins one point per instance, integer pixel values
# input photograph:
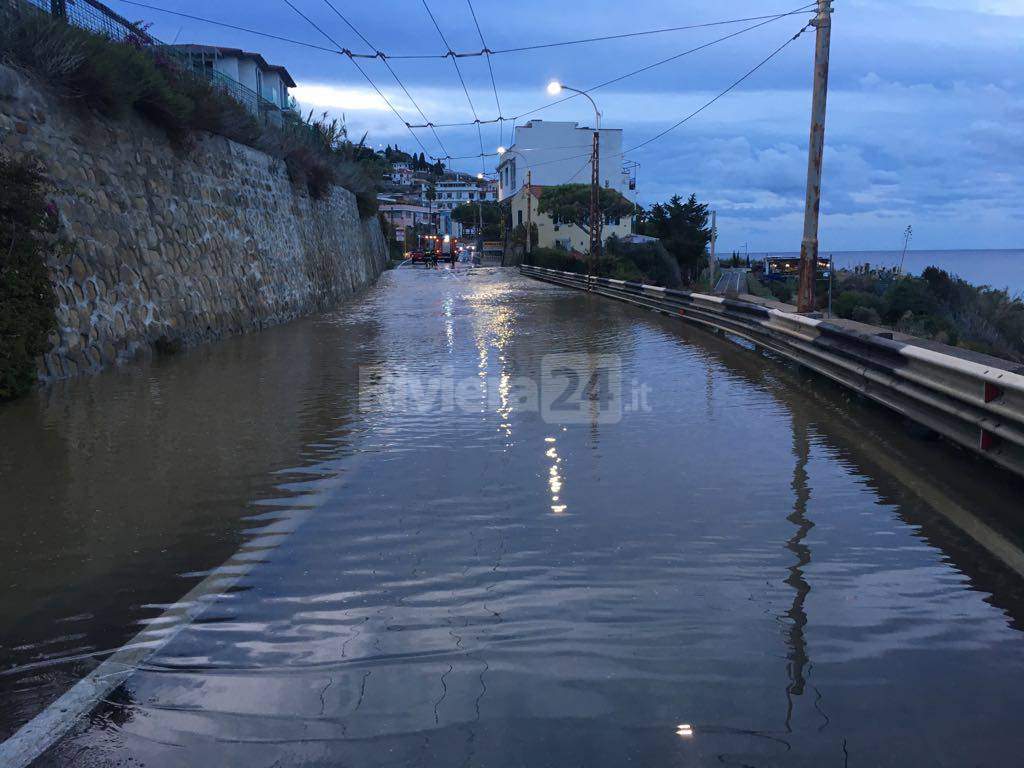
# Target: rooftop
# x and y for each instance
(238, 53)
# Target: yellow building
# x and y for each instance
(524, 205)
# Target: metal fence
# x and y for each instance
(96, 17)
(970, 399)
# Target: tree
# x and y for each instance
(683, 230)
(468, 215)
(570, 204)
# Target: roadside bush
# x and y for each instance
(27, 302)
(781, 291)
(938, 306)
(646, 262)
(555, 258)
(846, 303)
(908, 295)
(864, 314)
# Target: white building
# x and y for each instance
(401, 173)
(246, 75)
(524, 208)
(454, 193)
(559, 153)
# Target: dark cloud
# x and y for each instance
(926, 110)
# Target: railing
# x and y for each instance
(973, 400)
(95, 17)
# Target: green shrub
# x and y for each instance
(846, 303)
(109, 77)
(867, 315)
(911, 294)
(781, 290)
(216, 111)
(26, 296)
(554, 258)
(648, 262)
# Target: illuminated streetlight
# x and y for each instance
(502, 150)
(555, 88)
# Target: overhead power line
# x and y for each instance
(235, 27)
(614, 80)
(735, 84)
(490, 69)
(684, 120)
(624, 35)
(393, 74)
(363, 73)
(462, 80)
(484, 51)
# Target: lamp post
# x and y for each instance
(480, 216)
(555, 88)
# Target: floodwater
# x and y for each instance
(444, 571)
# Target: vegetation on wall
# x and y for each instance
(27, 302)
(115, 78)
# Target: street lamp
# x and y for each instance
(480, 216)
(555, 88)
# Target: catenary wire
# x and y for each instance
(463, 54)
(490, 69)
(615, 79)
(394, 74)
(364, 74)
(690, 116)
(458, 71)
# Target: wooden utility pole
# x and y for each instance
(595, 200)
(712, 261)
(809, 245)
(529, 214)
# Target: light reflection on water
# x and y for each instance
(747, 573)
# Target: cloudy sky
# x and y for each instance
(925, 116)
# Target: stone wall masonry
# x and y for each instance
(190, 243)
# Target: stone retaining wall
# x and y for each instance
(186, 243)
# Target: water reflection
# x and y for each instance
(555, 477)
(426, 614)
(797, 615)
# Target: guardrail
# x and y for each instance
(973, 400)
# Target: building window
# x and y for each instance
(520, 222)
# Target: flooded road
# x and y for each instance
(442, 570)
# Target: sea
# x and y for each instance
(996, 268)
